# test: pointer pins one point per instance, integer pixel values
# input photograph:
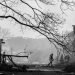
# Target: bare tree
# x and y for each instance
(46, 23)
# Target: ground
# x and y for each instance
(39, 70)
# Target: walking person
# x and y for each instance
(51, 60)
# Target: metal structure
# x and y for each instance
(3, 60)
(3, 56)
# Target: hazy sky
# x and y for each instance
(16, 30)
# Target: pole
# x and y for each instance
(0, 51)
(1, 42)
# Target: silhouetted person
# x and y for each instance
(61, 59)
(4, 58)
(67, 59)
(51, 60)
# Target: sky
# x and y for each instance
(16, 30)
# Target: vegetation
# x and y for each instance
(46, 23)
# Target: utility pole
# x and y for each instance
(1, 42)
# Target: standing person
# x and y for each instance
(67, 59)
(51, 60)
(62, 59)
(4, 58)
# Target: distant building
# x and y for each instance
(63, 56)
(71, 36)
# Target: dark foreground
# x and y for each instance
(36, 73)
(44, 71)
(34, 70)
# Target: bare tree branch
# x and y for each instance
(45, 23)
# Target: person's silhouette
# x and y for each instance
(4, 58)
(51, 60)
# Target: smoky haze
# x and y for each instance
(40, 48)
